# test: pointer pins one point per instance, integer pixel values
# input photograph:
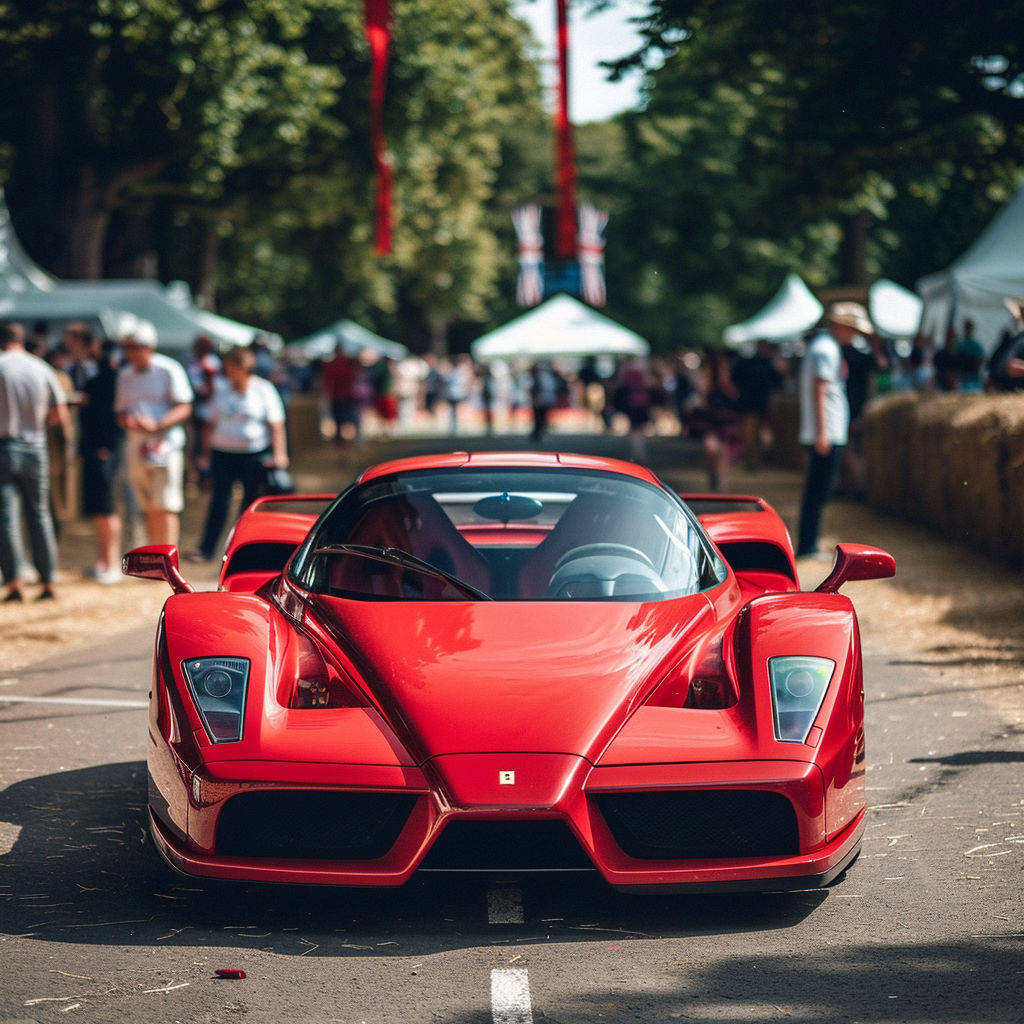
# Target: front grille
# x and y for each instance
(305, 825)
(701, 824)
(506, 846)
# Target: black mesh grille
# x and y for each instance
(701, 824)
(506, 846)
(300, 825)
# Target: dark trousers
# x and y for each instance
(25, 489)
(821, 479)
(540, 421)
(225, 469)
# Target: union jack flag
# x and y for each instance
(590, 248)
(530, 286)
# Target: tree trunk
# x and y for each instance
(204, 287)
(439, 335)
(87, 217)
(854, 249)
(86, 222)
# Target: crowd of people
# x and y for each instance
(143, 427)
(723, 398)
(140, 426)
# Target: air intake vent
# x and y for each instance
(263, 556)
(506, 846)
(701, 824)
(302, 825)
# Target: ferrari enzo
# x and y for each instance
(509, 662)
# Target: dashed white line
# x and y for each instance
(4, 699)
(510, 997)
(505, 906)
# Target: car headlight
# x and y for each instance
(798, 689)
(218, 687)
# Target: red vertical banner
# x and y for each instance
(565, 152)
(378, 33)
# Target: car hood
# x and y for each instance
(469, 677)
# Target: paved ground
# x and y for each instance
(926, 928)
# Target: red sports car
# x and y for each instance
(509, 662)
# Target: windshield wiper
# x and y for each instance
(395, 556)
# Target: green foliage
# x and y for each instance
(246, 121)
(770, 128)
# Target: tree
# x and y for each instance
(463, 109)
(835, 139)
(110, 102)
(874, 93)
(231, 138)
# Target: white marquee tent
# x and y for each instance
(28, 294)
(790, 312)
(560, 327)
(350, 337)
(894, 310)
(974, 286)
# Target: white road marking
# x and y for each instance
(505, 906)
(4, 699)
(510, 997)
(8, 836)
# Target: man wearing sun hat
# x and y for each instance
(825, 412)
(152, 399)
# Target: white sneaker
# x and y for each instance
(109, 576)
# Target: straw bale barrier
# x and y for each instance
(304, 423)
(951, 462)
(787, 452)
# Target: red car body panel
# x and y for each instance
(463, 684)
(276, 519)
(503, 712)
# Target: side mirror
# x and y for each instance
(157, 562)
(857, 562)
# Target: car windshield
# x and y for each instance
(508, 535)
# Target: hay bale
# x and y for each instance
(951, 462)
(887, 425)
(787, 452)
(304, 423)
(971, 473)
(1011, 459)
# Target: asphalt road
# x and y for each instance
(927, 925)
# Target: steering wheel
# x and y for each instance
(602, 565)
(602, 548)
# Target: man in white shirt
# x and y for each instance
(825, 412)
(153, 398)
(31, 399)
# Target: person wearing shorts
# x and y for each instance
(153, 398)
(100, 442)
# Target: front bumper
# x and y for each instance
(812, 859)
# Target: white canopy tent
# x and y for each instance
(101, 304)
(28, 293)
(895, 311)
(974, 286)
(561, 327)
(350, 337)
(790, 312)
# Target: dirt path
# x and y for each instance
(947, 606)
